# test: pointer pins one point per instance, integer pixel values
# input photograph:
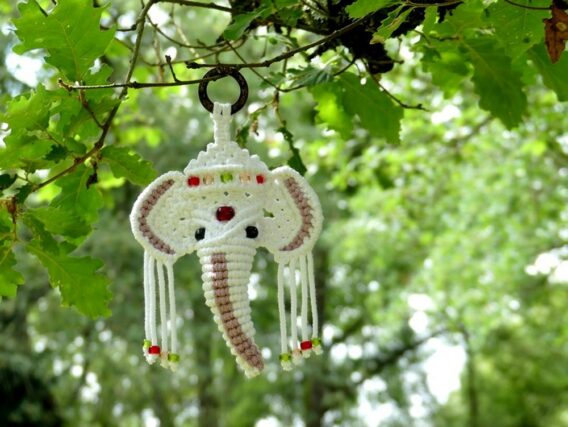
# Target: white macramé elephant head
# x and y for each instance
(224, 205)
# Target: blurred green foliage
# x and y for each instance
(445, 233)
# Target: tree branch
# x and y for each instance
(198, 4)
(285, 55)
(137, 85)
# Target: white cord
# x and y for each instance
(163, 314)
(146, 296)
(152, 305)
(304, 282)
(293, 303)
(171, 291)
(312, 282)
(282, 310)
(221, 122)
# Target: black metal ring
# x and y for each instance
(217, 73)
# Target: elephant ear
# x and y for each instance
(293, 216)
(161, 220)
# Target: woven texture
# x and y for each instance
(225, 205)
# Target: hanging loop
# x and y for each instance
(217, 73)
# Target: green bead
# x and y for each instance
(316, 342)
(226, 177)
(147, 343)
(285, 357)
(173, 357)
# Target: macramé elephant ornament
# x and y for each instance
(224, 205)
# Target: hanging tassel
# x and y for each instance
(285, 356)
(154, 349)
(316, 341)
(296, 352)
(306, 344)
(147, 342)
(173, 356)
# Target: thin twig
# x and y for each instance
(137, 85)
(198, 4)
(288, 89)
(169, 61)
(285, 55)
(183, 44)
(440, 4)
(394, 98)
(526, 6)
(87, 107)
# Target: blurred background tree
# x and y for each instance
(436, 136)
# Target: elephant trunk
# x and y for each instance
(225, 277)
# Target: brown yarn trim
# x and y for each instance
(147, 206)
(303, 205)
(242, 343)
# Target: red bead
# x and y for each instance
(225, 213)
(306, 345)
(260, 179)
(193, 181)
(155, 349)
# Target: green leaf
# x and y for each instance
(430, 18)
(295, 162)
(390, 25)
(28, 112)
(498, 85)
(9, 278)
(80, 284)
(24, 151)
(311, 76)
(516, 27)
(468, 17)
(70, 34)
(362, 8)
(447, 65)
(554, 76)
(61, 221)
(239, 25)
(377, 112)
(27, 117)
(330, 108)
(128, 164)
(75, 209)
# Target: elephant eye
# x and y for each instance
(200, 233)
(252, 231)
